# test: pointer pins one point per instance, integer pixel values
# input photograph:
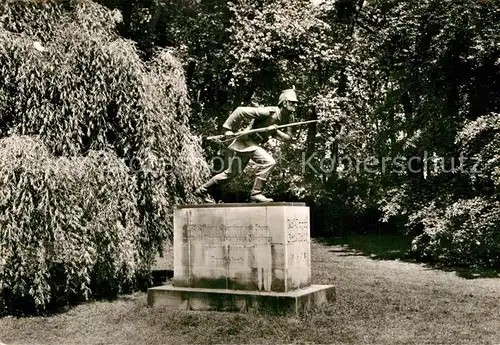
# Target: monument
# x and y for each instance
(241, 257)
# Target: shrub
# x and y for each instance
(89, 201)
(69, 227)
(90, 90)
(466, 232)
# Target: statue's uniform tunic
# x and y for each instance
(247, 147)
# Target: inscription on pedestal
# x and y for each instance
(265, 248)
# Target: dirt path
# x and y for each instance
(379, 302)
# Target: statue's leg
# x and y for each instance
(237, 164)
(267, 163)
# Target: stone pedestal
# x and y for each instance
(241, 257)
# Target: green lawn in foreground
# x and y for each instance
(379, 302)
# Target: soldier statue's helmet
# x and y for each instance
(288, 95)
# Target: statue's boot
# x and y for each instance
(202, 192)
(256, 194)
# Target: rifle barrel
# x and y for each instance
(258, 130)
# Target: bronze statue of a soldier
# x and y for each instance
(247, 147)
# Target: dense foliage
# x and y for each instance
(405, 88)
(441, 59)
(408, 93)
(89, 202)
(69, 227)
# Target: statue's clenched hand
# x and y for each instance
(272, 128)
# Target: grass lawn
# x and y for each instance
(378, 302)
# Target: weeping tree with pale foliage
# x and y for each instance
(95, 151)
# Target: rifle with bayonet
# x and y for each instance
(224, 138)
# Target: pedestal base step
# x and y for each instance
(239, 300)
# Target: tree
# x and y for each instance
(85, 93)
(436, 53)
(394, 81)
